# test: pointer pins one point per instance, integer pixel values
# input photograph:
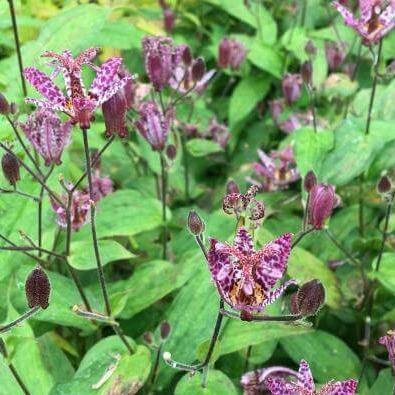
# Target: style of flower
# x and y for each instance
(275, 171)
(304, 385)
(47, 134)
(245, 278)
(376, 19)
(389, 342)
(78, 104)
(231, 53)
(153, 125)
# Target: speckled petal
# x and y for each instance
(347, 387)
(305, 378)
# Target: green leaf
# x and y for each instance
(83, 257)
(383, 384)
(339, 85)
(202, 147)
(217, 384)
(386, 274)
(266, 58)
(245, 97)
(310, 149)
(124, 213)
(328, 356)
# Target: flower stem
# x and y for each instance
(185, 158)
(23, 317)
(13, 371)
(20, 193)
(156, 366)
(280, 318)
(163, 196)
(300, 236)
(17, 45)
(100, 271)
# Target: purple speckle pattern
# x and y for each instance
(389, 342)
(244, 277)
(346, 387)
(48, 135)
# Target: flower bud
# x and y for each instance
(384, 185)
(231, 187)
(291, 86)
(307, 72)
(10, 166)
(308, 299)
(198, 69)
(310, 180)
(169, 18)
(37, 288)
(310, 49)
(322, 202)
(148, 338)
(186, 56)
(171, 151)
(224, 52)
(276, 108)
(335, 55)
(165, 329)
(4, 106)
(195, 224)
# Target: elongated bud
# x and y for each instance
(310, 180)
(231, 187)
(198, 69)
(384, 185)
(165, 329)
(37, 288)
(322, 202)
(308, 299)
(10, 166)
(291, 86)
(4, 106)
(169, 18)
(195, 224)
(310, 49)
(148, 338)
(186, 56)
(307, 71)
(171, 151)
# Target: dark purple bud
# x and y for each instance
(308, 299)
(10, 166)
(169, 18)
(37, 288)
(224, 52)
(186, 55)
(198, 69)
(4, 106)
(322, 202)
(291, 86)
(165, 329)
(148, 338)
(310, 49)
(195, 224)
(276, 108)
(384, 185)
(307, 72)
(231, 187)
(245, 316)
(310, 180)
(171, 151)
(335, 55)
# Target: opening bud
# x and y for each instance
(10, 166)
(310, 180)
(165, 329)
(187, 56)
(195, 224)
(308, 299)
(384, 185)
(231, 187)
(4, 106)
(37, 288)
(307, 71)
(198, 69)
(321, 205)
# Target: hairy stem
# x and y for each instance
(20, 319)
(300, 236)
(163, 196)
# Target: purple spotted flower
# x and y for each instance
(78, 104)
(389, 341)
(161, 58)
(275, 171)
(153, 125)
(376, 19)
(245, 278)
(231, 53)
(48, 134)
(304, 385)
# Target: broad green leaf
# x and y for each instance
(83, 257)
(328, 356)
(386, 274)
(383, 384)
(245, 97)
(202, 147)
(124, 213)
(217, 384)
(310, 149)
(339, 85)
(266, 58)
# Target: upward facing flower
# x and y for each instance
(244, 277)
(48, 134)
(376, 19)
(76, 103)
(305, 384)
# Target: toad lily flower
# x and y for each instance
(78, 104)
(389, 341)
(305, 384)
(376, 19)
(47, 134)
(244, 277)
